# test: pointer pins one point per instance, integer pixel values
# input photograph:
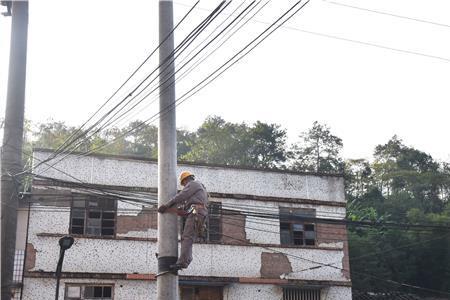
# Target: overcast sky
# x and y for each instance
(331, 63)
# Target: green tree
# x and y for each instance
(402, 184)
(358, 177)
(237, 144)
(318, 151)
(402, 170)
(267, 145)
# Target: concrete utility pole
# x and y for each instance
(167, 284)
(11, 157)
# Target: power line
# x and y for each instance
(388, 14)
(187, 40)
(279, 216)
(264, 215)
(187, 96)
(78, 182)
(189, 37)
(183, 46)
(380, 46)
(185, 64)
(128, 79)
(336, 37)
(383, 252)
(201, 60)
(320, 265)
(214, 75)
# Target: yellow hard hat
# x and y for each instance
(184, 175)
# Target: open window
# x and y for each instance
(296, 227)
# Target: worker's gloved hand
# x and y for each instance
(162, 208)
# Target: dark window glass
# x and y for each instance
(295, 228)
(77, 222)
(109, 215)
(215, 221)
(80, 292)
(98, 291)
(77, 230)
(94, 214)
(93, 217)
(107, 292)
(107, 223)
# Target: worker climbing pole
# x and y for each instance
(192, 203)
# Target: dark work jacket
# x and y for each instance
(194, 192)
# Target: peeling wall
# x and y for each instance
(273, 265)
(129, 256)
(143, 222)
(233, 229)
(140, 173)
(267, 231)
(30, 261)
(124, 256)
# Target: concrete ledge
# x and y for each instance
(126, 238)
(68, 184)
(191, 279)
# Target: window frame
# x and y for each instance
(83, 287)
(217, 217)
(86, 212)
(288, 216)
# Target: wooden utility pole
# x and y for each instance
(167, 284)
(11, 156)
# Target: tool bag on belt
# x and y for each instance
(199, 221)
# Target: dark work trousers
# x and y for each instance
(194, 222)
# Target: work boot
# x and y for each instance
(177, 266)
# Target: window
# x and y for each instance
(201, 293)
(214, 221)
(86, 292)
(294, 229)
(301, 294)
(18, 265)
(95, 217)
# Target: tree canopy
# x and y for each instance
(318, 151)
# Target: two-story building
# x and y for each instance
(268, 237)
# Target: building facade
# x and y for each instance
(272, 234)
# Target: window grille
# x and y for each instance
(301, 294)
(214, 221)
(18, 266)
(95, 217)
